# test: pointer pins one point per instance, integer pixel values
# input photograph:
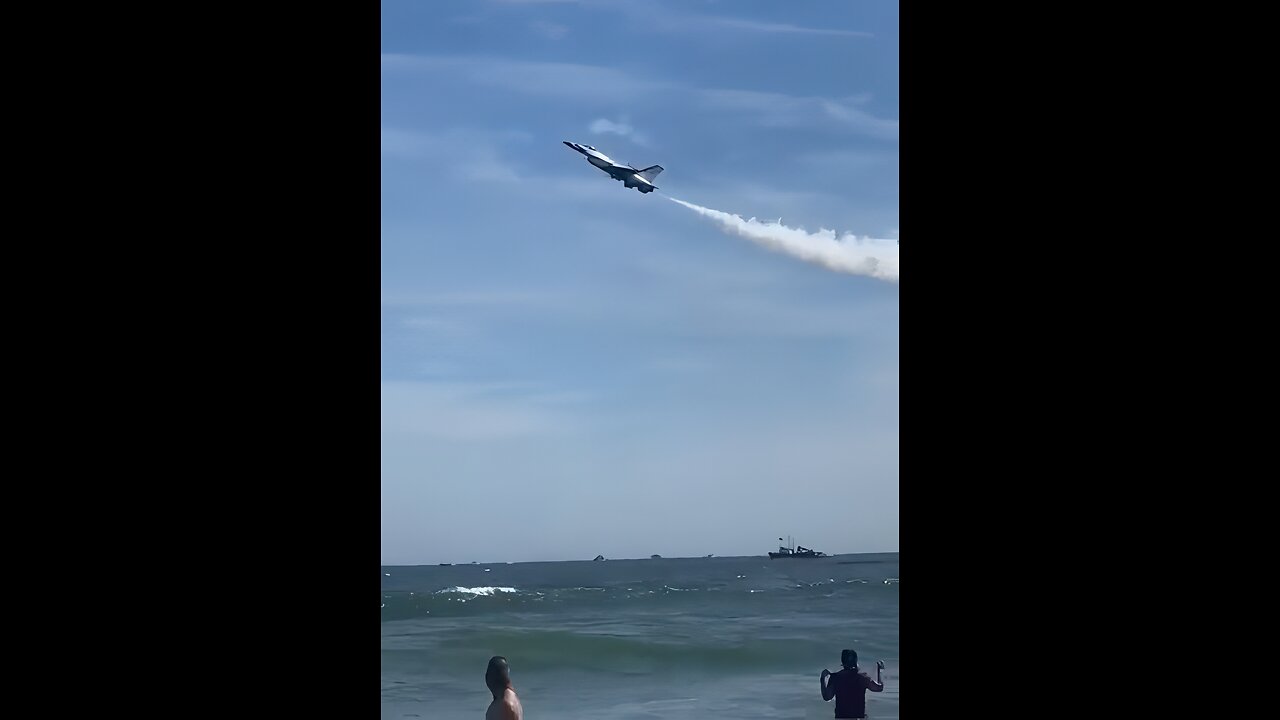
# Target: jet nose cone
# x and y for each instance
(566, 142)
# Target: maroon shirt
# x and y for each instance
(850, 689)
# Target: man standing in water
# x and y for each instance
(849, 687)
(505, 705)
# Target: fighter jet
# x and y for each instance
(641, 180)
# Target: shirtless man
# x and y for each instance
(505, 705)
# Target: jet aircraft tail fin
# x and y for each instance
(650, 172)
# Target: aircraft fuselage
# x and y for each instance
(629, 176)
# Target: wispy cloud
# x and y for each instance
(595, 84)
(397, 142)
(549, 30)
(780, 110)
(845, 161)
(602, 126)
(665, 19)
(543, 79)
(434, 324)
(461, 154)
(466, 155)
(485, 165)
(679, 365)
(403, 143)
(473, 298)
(699, 22)
(470, 411)
(608, 126)
(670, 20)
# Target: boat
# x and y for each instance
(795, 551)
(599, 558)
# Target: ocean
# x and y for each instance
(739, 637)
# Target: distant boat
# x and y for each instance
(655, 557)
(445, 564)
(709, 556)
(599, 557)
(795, 551)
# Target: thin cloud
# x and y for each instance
(468, 411)
(486, 166)
(764, 27)
(595, 84)
(602, 126)
(779, 110)
(397, 142)
(846, 161)
(549, 30)
(481, 298)
(667, 19)
(433, 324)
(543, 79)
(467, 155)
(407, 144)
(679, 365)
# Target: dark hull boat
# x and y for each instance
(799, 552)
(795, 551)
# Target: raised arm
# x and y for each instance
(876, 685)
(827, 691)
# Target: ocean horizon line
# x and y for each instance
(628, 559)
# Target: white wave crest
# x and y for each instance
(486, 590)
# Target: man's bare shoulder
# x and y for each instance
(508, 708)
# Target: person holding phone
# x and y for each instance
(849, 686)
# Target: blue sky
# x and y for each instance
(572, 368)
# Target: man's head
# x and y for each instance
(498, 675)
(849, 658)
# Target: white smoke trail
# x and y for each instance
(849, 253)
